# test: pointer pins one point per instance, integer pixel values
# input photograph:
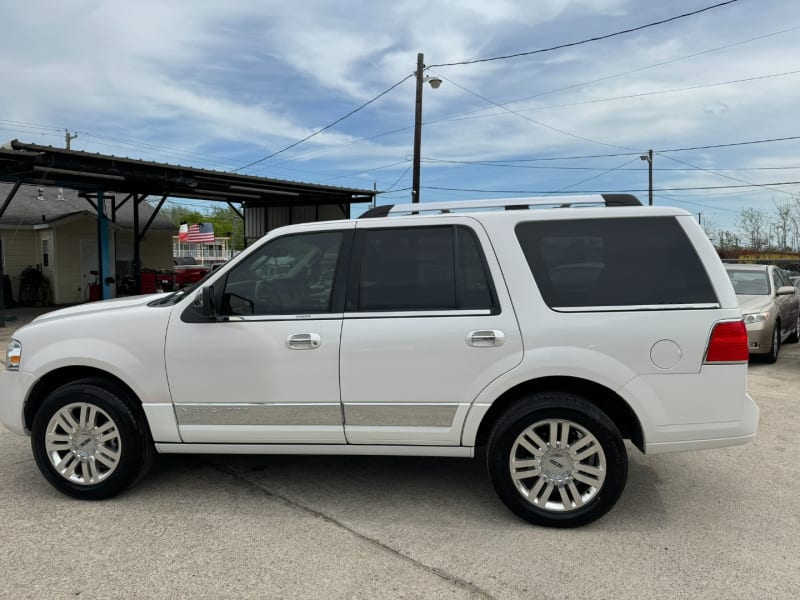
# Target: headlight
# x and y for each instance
(755, 317)
(13, 354)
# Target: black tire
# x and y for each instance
(547, 407)
(795, 337)
(771, 357)
(131, 440)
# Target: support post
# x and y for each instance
(103, 254)
(137, 256)
(11, 193)
(650, 176)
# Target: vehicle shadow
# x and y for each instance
(440, 492)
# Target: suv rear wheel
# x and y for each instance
(88, 443)
(557, 460)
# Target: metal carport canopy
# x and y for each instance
(45, 165)
(91, 173)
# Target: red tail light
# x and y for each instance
(728, 343)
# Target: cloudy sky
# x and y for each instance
(221, 84)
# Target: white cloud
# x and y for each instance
(240, 80)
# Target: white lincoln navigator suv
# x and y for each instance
(544, 330)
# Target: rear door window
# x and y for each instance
(645, 261)
(420, 269)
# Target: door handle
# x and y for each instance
(486, 337)
(303, 341)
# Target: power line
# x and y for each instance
(585, 41)
(614, 191)
(629, 96)
(394, 164)
(464, 115)
(700, 204)
(527, 118)
(318, 131)
(563, 168)
(629, 72)
(749, 183)
(586, 156)
(606, 172)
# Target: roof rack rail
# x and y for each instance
(506, 203)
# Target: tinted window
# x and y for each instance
(421, 268)
(288, 275)
(614, 262)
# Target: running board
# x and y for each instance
(340, 449)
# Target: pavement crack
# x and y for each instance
(440, 573)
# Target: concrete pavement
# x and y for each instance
(714, 524)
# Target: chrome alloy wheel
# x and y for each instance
(83, 443)
(557, 465)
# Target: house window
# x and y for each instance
(45, 253)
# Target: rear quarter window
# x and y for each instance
(614, 262)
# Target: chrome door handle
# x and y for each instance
(485, 338)
(303, 341)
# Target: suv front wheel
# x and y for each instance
(88, 443)
(557, 460)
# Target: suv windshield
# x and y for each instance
(749, 283)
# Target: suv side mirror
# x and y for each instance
(204, 302)
(786, 290)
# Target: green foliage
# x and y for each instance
(225, 220)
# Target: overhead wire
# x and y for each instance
(606, 172)
(628, 96)
(663, 151)
(636, 70)
(328, 126)
(585, 41)
(670, 189)
(462, 115)
(527, 118)
(565, 168)
(749, 183)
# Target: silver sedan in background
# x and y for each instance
(770, 305)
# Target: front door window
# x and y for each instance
(290, 275)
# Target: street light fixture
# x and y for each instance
(434, 82)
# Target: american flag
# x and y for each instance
(201, 233)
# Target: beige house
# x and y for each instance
(54, 231)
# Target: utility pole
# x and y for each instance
(417, 129)
(68, 138)
(649, 158)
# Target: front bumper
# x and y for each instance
(14, 388)
(759, 337)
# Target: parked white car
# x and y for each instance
(546, 330)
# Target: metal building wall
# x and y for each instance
(261, 219)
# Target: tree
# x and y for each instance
(752, 223)
(782, 224)
(710, 226)
(225, 220)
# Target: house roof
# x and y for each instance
(53, 205)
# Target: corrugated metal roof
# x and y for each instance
(29, 208)
(88, 170)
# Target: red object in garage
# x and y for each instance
(151, 282)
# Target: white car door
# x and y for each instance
(427, 325)
(266, 370)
